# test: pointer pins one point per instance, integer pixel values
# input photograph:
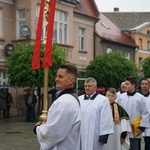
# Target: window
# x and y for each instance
(109, 50)
(3, 77)
(44, 25)
(148, 32)
(105, 25)
(60, 33)
(127, 55)
(148, 45)
(37, 10)
(1, 23)
(140, 43)
(81, 39)
(20, 21)
(140, 63)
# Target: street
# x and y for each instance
(16, 134)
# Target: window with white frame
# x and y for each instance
(21, 20)
(44, 23)
(3, 77)
(81, 39)
(60, 32)
(1, 23)
(148, 45)
(140, 63)
(127, 55)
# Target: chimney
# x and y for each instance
(116, 9)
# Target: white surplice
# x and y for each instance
(147, 130)
(135, 105)
(62, 128)
(114, 139)
(96, 120)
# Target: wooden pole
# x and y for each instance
(43, 117)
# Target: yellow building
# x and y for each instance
(141, 35)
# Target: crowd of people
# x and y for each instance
(6, 101)
(116, 121)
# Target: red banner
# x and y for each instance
(36, 52)
(47, 60)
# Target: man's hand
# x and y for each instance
(122, 140)
(39, 123)
(101, 143)
(138, 131)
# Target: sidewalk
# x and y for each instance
(16, 134)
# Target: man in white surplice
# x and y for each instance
(135, 105)
(96, 117)
(62, 128)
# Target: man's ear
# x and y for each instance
(72, 80)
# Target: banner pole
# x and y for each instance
(43, 117)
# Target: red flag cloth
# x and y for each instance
(36, 52)
(47, 61)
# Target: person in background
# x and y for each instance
(135, 105)
(144, 90)
(30, 102)
(96, 117)
(9, 102)
(149, 83)
(2, 104)
(62, 128)
(120, 139)
(53, 92)
(25, 97)
(122, 89)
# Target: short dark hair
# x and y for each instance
(70, 69)
(144, 79)
(112, 90)
(131, 79)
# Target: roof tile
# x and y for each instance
(107, 30)
(87, 7)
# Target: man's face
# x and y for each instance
(90, 88)
(123, 87)
(64, 80)
(144, 85)
(130, 87)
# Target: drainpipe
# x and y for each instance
(94, 52)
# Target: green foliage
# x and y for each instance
(146, 67)
(19, 69)
(110, 69)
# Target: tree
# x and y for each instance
(20, 73)
(146, 67)
(19, 69)
(110, 69)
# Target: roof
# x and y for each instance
(88, 8)
(141, 26)
(128, 20)
(108, 30)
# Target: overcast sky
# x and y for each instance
(124, 5)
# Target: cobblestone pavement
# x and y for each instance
(16, 134)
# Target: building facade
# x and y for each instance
(135, 25)
(74, 25)
(108, 38)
